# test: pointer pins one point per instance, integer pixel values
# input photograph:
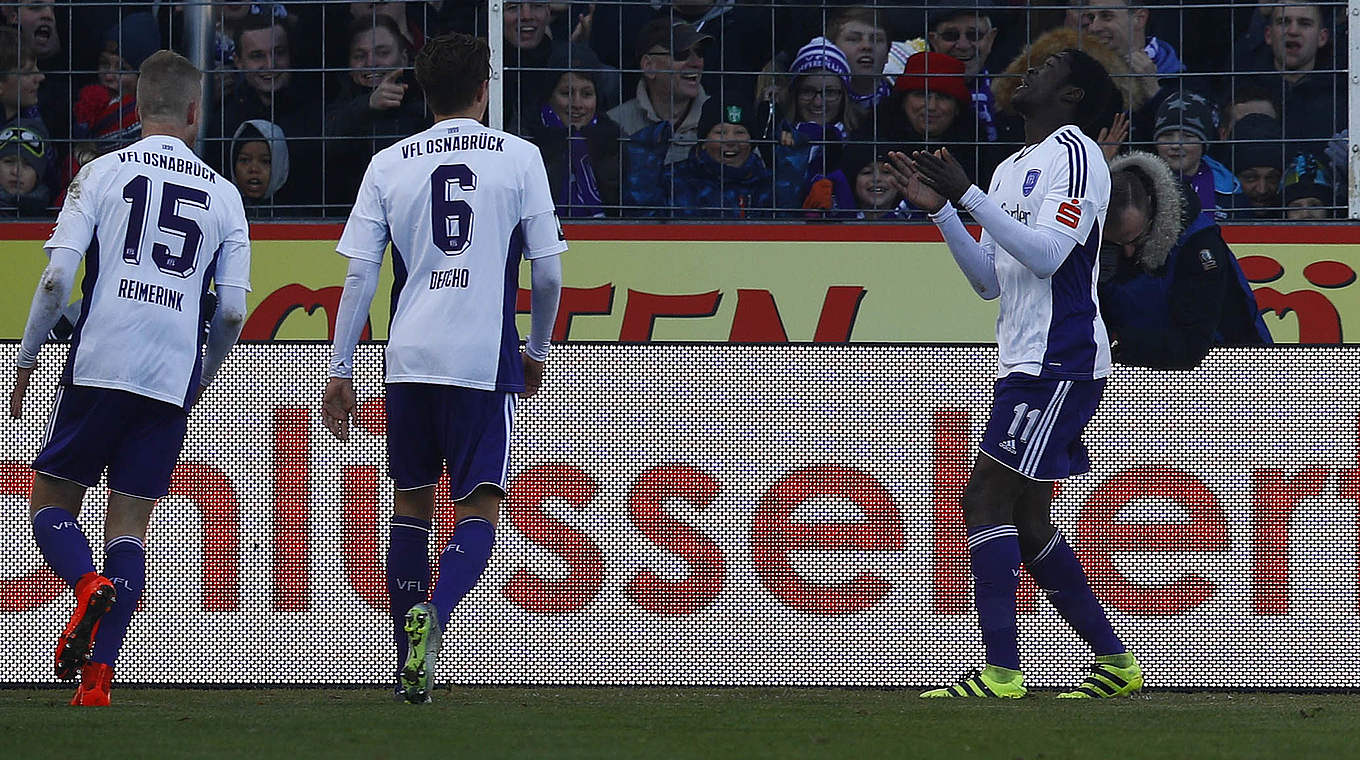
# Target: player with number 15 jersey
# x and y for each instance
(461, 205)
(154, 226)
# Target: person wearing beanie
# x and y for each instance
(25, 159)
(814, 106)
(966, 32)
(724, 176)
(1169, 286)
(1258, 162)
(1186, 123)
(931, 106)
(1306, 189)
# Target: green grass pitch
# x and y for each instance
(672, 723)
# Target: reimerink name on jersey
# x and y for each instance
(171, 163)
(136, 290)
(451, 143)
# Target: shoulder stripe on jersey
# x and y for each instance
(1077, 155)
(1071, 167)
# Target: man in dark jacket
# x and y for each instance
(1168, 294)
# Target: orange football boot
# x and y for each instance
(94, 597)
(95, 680)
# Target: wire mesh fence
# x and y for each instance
(745, 110)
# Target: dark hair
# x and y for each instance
(1129, 188)
(365, 24)
(254, 23)
(13, 56)
(450, 69)
(1101, 99)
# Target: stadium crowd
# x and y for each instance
(693, 108)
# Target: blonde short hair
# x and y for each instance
(167, 84)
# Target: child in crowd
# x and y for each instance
(1307, 189)
(860, 188)
(259, 164)
(24, 162)
(1184, 126)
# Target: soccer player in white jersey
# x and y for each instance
(460, 205)
(155, 226)
(1041, 229)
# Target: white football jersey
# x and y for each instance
(156, 226)
(1051, 327)
(460, 204)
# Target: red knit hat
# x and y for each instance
(934, 72)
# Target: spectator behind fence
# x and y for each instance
(1312, 102)
(724, 176)
(1122, 26)
(967, 33)
(1258, 161)
(36, 23)
(20, 80)
(1170, 288)
(931, 107)
(1246, 99)
(534, 62)
(862, 34)
(259, 165)
(377, 103)
(105, 113)
(671, 57)
(741, 41)
(861, 187)
(269, 91)
(25, 163)
(415, 21)
(1185, 124)
(580, 147)
(1306, 189)
(1136, 90)
(814, 108)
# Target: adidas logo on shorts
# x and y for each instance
(1009, 445)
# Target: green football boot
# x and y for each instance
(422, 653)
(1112, 675)
(989, 682)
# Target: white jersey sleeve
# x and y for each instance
(77, 220)
(1072, 174)
(366, 232)
(543, 234)
(233, 262)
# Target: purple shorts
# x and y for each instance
(137, 438)
(430, 426)
(1036, 423)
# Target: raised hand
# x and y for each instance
(903, 173)
(389, 92)
(1113, 136)
(942, 173)
(584, 23)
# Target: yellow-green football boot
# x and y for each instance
(1112, 675)
(991, 682)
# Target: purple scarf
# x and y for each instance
(583, 192)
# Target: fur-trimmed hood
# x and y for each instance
(1168, 205)
(1137, 89)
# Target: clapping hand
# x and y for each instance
(908, 181)
(942, 173)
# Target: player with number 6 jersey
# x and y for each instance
(461, 205)
(155, 228)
